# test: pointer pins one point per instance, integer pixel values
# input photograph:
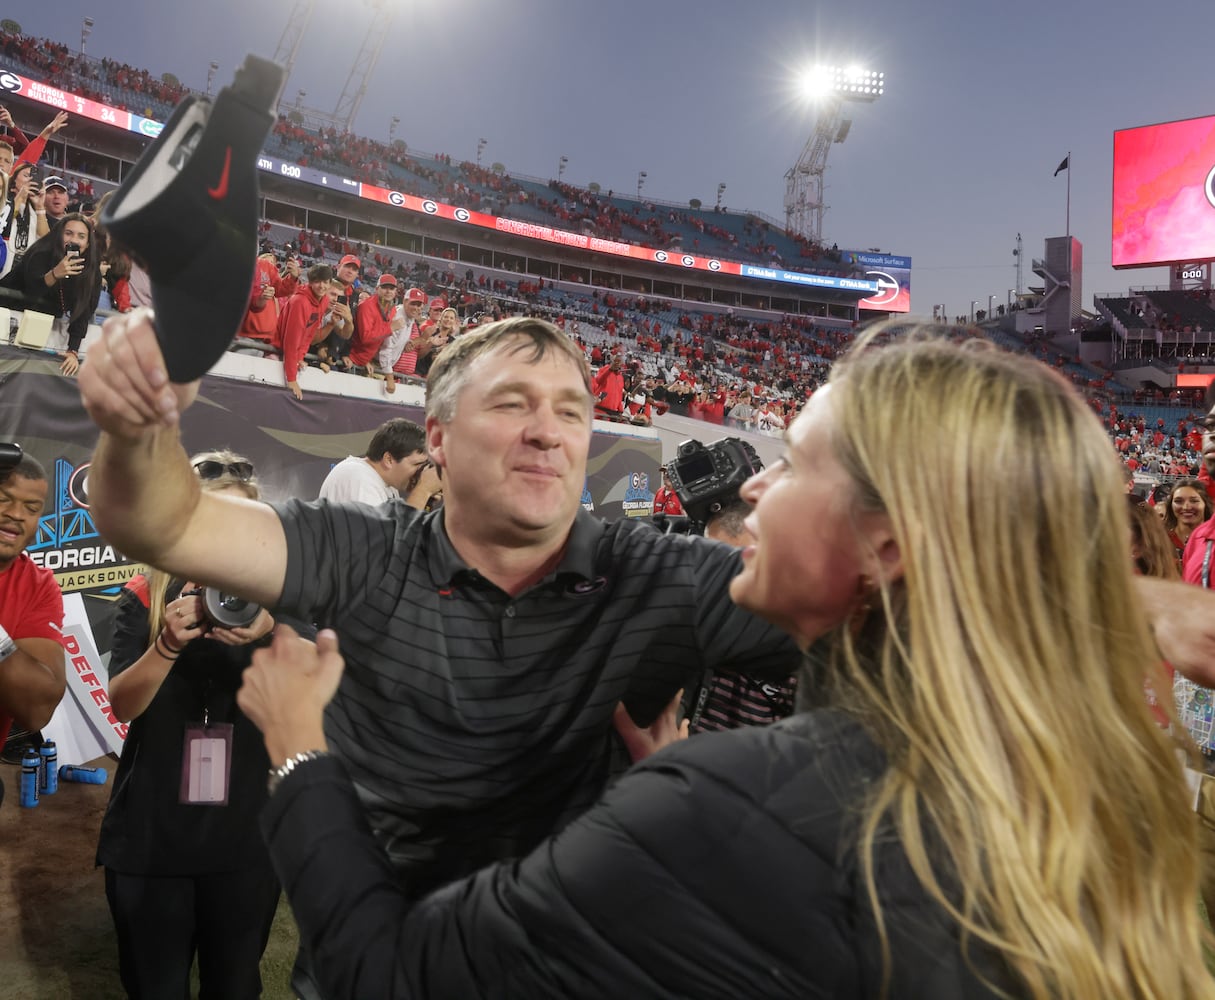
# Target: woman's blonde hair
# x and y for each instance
(158, 580)
(1036, 798)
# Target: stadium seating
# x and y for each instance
(1180, 310)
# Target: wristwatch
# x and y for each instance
(7, 646)
(277, 774)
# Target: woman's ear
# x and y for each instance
(884, 548)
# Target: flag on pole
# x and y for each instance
(1064, 165)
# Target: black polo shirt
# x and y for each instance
(475, 724)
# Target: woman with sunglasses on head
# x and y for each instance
(186, 869)
(981, 803)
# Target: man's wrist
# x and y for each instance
(277, 774)
(286, 742)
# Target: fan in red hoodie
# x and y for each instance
(373, 322)
(299, 324)
(608, 388)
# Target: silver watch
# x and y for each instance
(7, 646)
(277, 774)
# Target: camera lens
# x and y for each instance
(228, 610)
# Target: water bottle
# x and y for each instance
(29, 778)
(84, 775)
(48, 778)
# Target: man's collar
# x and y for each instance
(578, 559)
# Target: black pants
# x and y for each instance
(161, 922)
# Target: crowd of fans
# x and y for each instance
(393, 165)
(743, 372)
(128, 88)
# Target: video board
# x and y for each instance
(1164, 193)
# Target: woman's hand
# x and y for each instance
(260, 625)
(662, 731)
(286, 690)
(184, 620)
(70, 364)
(70, 266)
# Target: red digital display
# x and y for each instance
(1164, 193)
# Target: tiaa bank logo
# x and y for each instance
(150, 128)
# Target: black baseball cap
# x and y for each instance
(189, 209)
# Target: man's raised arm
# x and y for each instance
(145, 497)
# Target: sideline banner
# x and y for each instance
(83, 726)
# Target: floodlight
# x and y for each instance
(850, 83)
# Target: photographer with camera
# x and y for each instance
(185, 867)
(61, 275)
(706, 480)
(395, 466)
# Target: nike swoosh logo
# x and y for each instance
(220, 191)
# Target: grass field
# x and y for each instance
(59, 942)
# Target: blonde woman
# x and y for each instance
(984, 807)
(186, 871)
(444, 332)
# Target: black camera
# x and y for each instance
(225, 610)
(71, 248)
(707, 477)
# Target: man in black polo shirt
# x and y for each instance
(488, 643)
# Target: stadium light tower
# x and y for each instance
(641, 176)
(393, 122)
(211, 70)
(831, 87)
(481, 144)
(721, 189)
(561, 165)
(86, 29)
